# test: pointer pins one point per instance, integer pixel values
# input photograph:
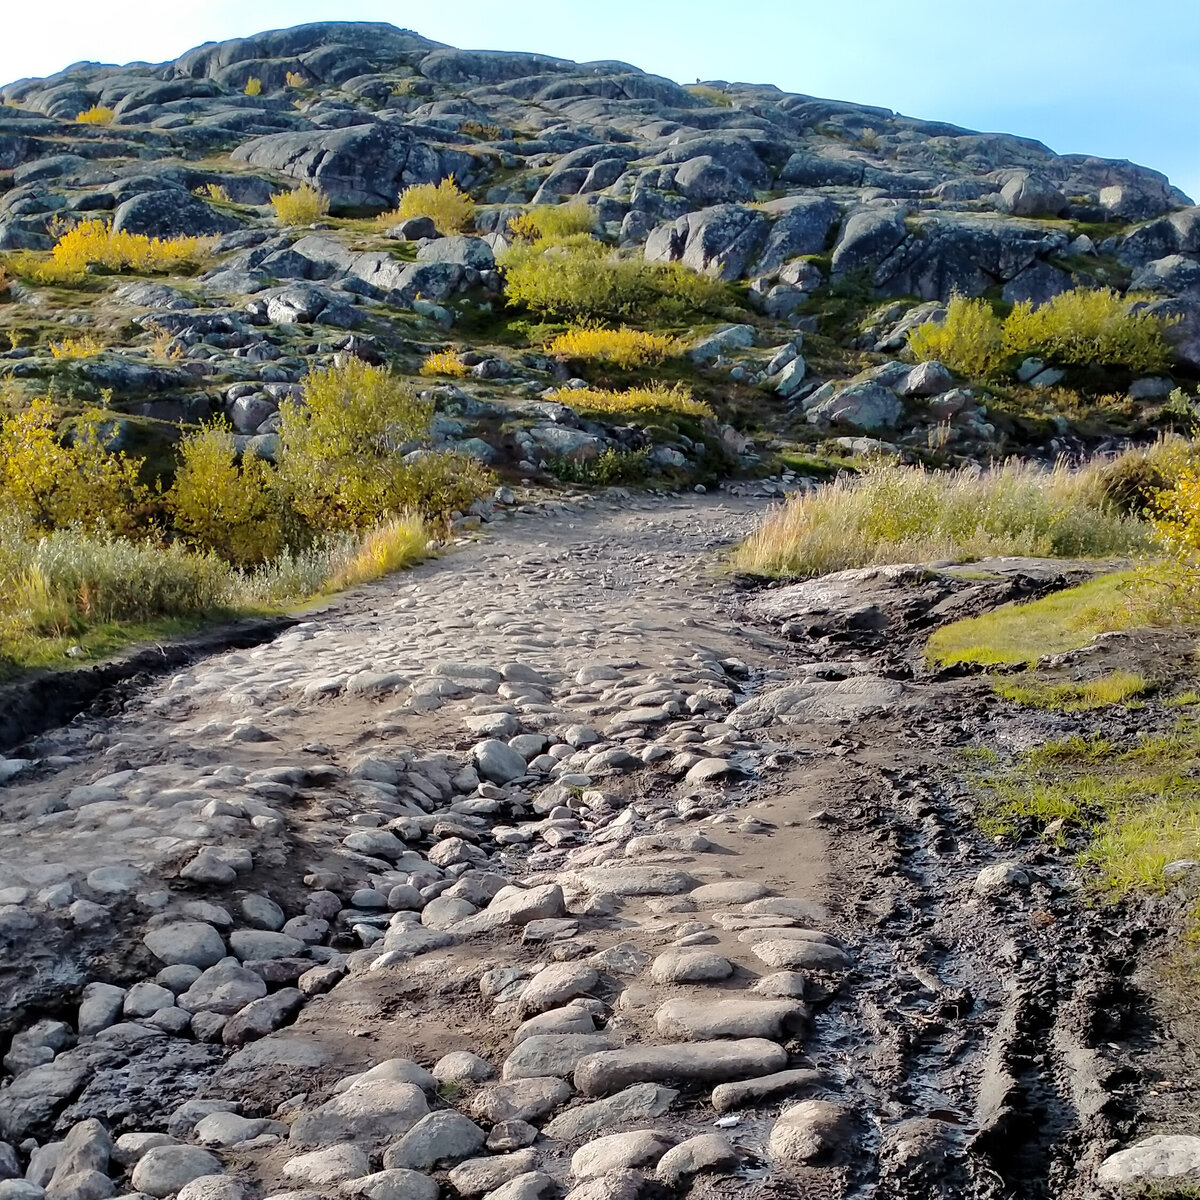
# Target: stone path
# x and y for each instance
(452, 883)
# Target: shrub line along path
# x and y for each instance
(746, 893)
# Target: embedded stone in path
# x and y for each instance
(731, 891)
(552, 1054)
(1165, 1160)
(641, 1102)
(520, 1100)
(747, 1093)
(393, 1185)
(686, 965)
(439, 1140)
(608, 1071)
(619, 1151)
(165, 1169)
(479, 1175)
(709, 1152)
(190, 942)
(810, 1130)
(799, 955)
(632, 881)
(701, 1020)
(366, 1113)
(555, 985)
(334, 1164)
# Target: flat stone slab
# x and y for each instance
(690, 966)
(641, 1102)
(633, 881)
(731, 891)
(702, 1020)
(552, 1054)
(690, 1062)
(818, 700)
(1165, 1159)
(799, 955)
(519, 1100)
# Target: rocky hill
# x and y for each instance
(837, 223)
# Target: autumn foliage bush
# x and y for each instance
(624, 347)
(580, 279)
(93, 243)
(444, 203)
(300, 206)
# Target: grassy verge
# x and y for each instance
(1138, 803)
(1117, 687)
(70, 597)
(897, 514)
(1024, 633)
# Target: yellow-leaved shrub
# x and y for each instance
(300, 206)
(655, 400)
(444, 203)
(52, 482)
(220, 504)
(93, 243)
(551, 222)
(98, 114)
(83, 346)
(445, 362)
(580, 279)
(253, 86)
(624, 347)
(1080, 327)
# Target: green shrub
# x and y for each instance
(580, 279)
(1080, 327)
(1133, 482)
(221, 505)
(344, 449)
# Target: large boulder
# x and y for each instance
(1184, 332)
(1030, 195)
(1174, 275)
(363, 166)
(861, 407)
(172, 212)
(868, 237)
(720, 241)
(802, 229)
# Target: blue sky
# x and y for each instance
(1104, 77)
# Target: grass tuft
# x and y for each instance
(1117, 687)
(897, 514)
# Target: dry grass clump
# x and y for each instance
(300, 206)
(897, 514)
(296, 80)
(394, 546)
(711, 95)
(445, 362)
(1077, 328)
(624, 347)
(98, 114)
(444, 203)
(653, 401)
(214, 191)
